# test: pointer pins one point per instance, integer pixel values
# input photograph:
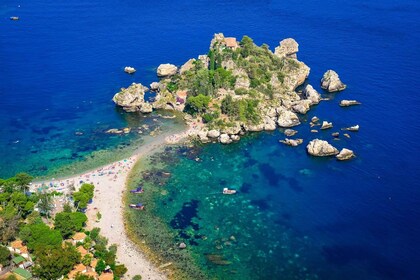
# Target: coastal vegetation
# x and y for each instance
(52, 244)
(236, 87)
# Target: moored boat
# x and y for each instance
(227, 191)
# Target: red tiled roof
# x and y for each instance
(231, 42)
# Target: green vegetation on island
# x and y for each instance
(236, 87)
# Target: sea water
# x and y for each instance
(294, 216)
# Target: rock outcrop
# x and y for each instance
(225, 139)
(301, 106)
(311, 94)
(154, 86)
(166, 70)
(287, 48)
(290, 132)
(132, 99)
(129, 70)
(187, 66)
(287, 118)
(352, 128)
(326, 125)
(331, 82)
(292, 142)
(345, 154)
(347, 103)
(321, 148)
(213, 133)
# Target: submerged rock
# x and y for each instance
(129, 70)
(321, 148)
(345, 154)
(347, 103)
(292, 142)
(331, 82)
(326, 125)
(165, 70)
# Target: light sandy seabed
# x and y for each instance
(110, 184)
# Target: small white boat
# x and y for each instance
(14, 18)
(227, 191)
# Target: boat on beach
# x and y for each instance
(137, 190)
(137, 206)
(228, 191)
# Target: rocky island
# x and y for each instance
(235, 88)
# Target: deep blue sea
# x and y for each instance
(61, 63)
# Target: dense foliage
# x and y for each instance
(53, 258)
(69, 223)
(83, 196)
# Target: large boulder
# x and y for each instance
(154, 86)
(129, 70)
(292, 142)
(290, 132)
(287, 118)
(301, 106)
(345, 154)
(288, 48)
(202, 135)
(331, 82)
(225, 139)
(269, 124)
(326, 125)
(321, 148)
(131, 98)
(187, 66)
(165, 70)
(235, 129)
(311, 94)
(213, 133)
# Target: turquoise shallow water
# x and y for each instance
(62, 62)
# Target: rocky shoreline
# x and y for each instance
(223, 96)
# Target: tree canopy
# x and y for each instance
(40, 237)
(4, 256)
(83, 196)
(68, 223)
(55, 262)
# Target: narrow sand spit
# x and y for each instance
(110, 184)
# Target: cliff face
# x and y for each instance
(236, 87)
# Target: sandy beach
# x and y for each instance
(110, 184)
